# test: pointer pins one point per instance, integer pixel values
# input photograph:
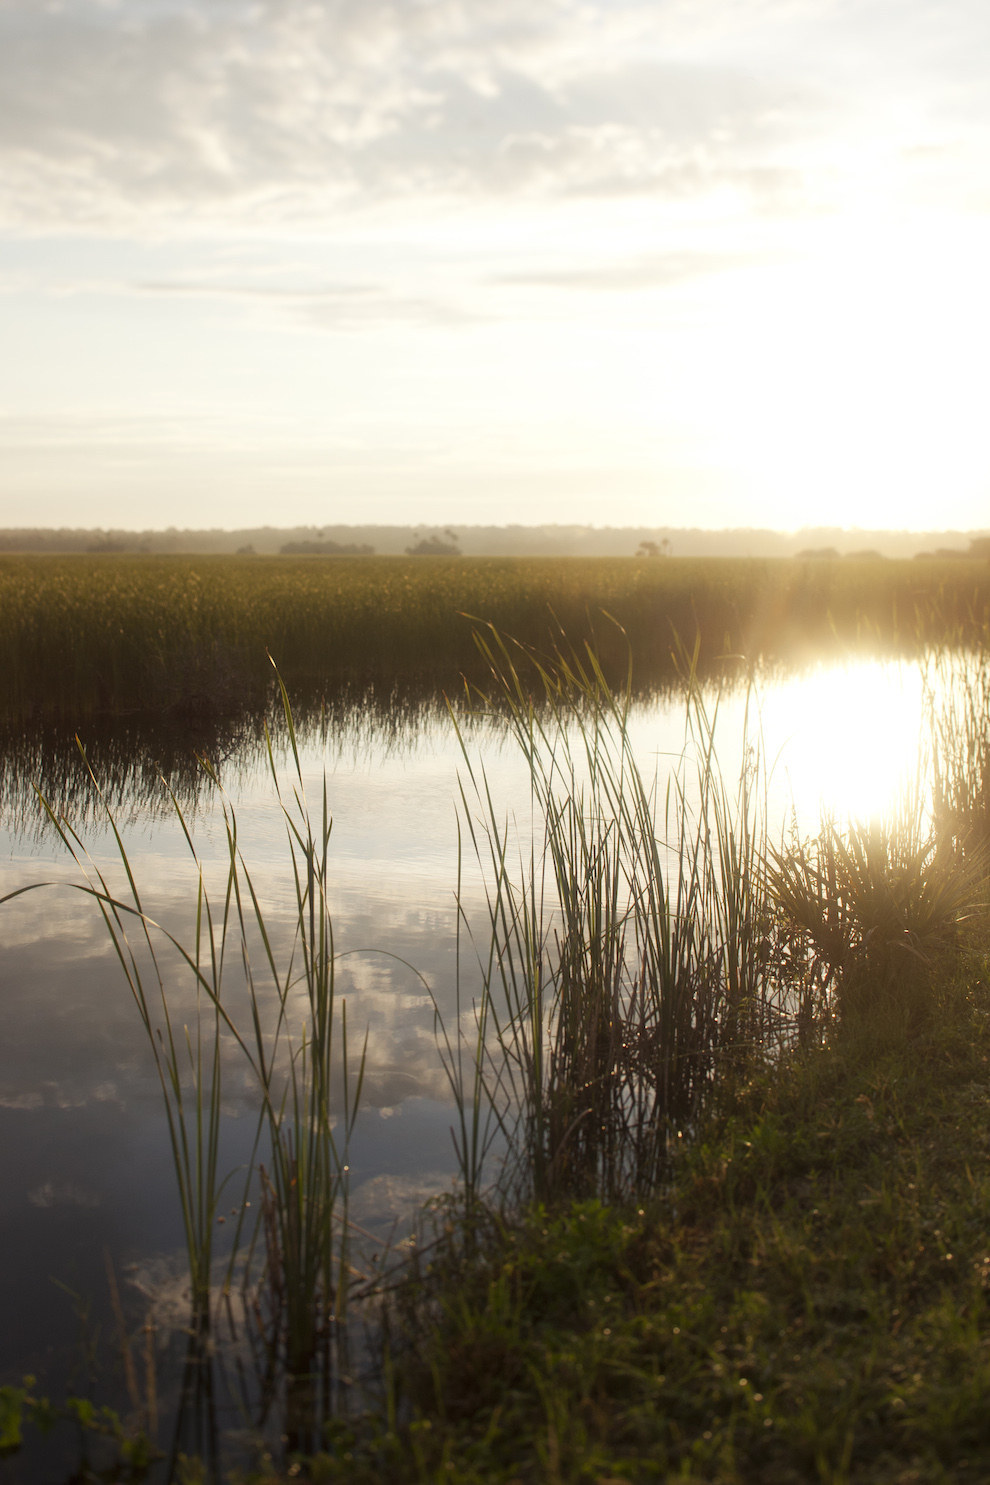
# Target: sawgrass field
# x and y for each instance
(189, 635)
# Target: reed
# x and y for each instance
(291, 1035)
(958, 690)
(815, 1231)
(305, 1186)
(188, 1062)
(870, 913)
(622, 962)
(641, 944)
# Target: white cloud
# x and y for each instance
(114, 115)
(336, 306)
(631, 274)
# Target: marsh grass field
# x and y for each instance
(736, 1082)
(185, 636)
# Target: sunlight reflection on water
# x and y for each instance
(844, 741)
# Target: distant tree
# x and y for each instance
(944, 554)
(979, 546)
(325, 549)
(654, 548)
(247, 551)
(445, 545)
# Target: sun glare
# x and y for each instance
(844, 741)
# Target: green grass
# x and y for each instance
(188, 636)
(805, 1300)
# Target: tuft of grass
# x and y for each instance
(870, 914)
(623, 962)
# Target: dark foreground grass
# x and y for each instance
(806, 1301)
(188, 636)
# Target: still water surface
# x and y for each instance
(85, 1164)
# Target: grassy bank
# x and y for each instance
(84, 635)
(805, 1301)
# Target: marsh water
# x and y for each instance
(87, 1198)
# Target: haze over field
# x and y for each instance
(504, 541)
(638, 263)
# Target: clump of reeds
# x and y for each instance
(624, 962)
(291, 1034)
(958, 689)
(643, 941)
(870, 912)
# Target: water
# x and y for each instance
(86, 1183)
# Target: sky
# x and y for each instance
(610, 262)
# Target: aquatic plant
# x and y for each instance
(279, 1009)
(623, 959)
(870, 911)
(639, 941)
(957, 678)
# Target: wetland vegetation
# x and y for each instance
(719, 1089)
(189, 637)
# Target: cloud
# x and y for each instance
(331, 306)
(114, 114)
(649, 271)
